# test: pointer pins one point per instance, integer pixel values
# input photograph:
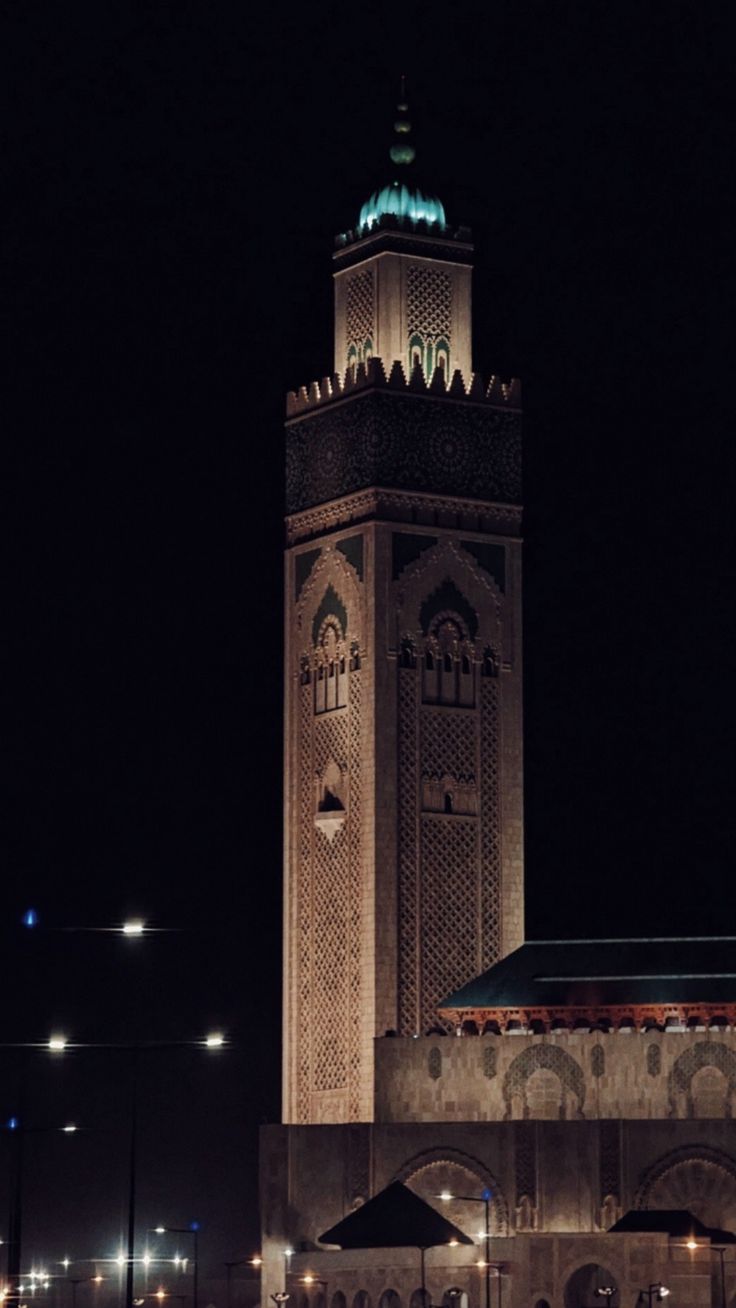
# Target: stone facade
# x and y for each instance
(654, 1075)
(403, 864)
(403, 748)
(548, 1178)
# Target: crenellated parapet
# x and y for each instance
(369, 429)
(371, 375)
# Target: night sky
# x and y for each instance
(176, 174)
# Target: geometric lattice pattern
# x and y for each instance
(525, 1157)
(448, 744)
(551, 1058)
(329, 910)
(706, 1053)
(429, 303)
(359, 308)
(450, 864)
(449, 931)
(355, 883)
(610, 1159)
(329, 926)
(409, 1021)
(490, 828)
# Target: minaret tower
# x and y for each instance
(403, 733)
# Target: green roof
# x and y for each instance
(401, 201)
(580, 973)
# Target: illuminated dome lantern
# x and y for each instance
(400, 198)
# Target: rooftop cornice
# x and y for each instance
(370, 376)
(418, 232)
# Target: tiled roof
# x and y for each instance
(595, 973)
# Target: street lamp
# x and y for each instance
(255, 1261)
(15, 1127)
(483, 1198)
(193, 1230)
(309, 1279)
(656, 1291)
(720, 1250)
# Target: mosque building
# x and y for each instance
(550, 1091)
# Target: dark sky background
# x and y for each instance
(176, 173)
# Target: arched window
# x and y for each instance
(407, 655)
(442, 357)
(416, 352)
(331, 684)
(389, 1299)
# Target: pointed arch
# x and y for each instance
(421, 1162)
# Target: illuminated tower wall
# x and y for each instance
(403, 736)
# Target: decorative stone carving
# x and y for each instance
(697, 1178)
(556, 1060)
(706, 1053)
(434, 1063)
(416, 443)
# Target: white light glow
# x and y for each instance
(215, 1040)
(445, 1196)
(121, 1260)
(57, 1044)
(69, 1129)
(134, 927)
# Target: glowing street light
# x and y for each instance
(483, 1198)
(70, 1128)
(215, 1040)
(135, 926)
(57, 1044)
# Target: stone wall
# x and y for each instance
(561, 1271)
(567, 1076)
(573, 1177)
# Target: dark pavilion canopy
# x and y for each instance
(394, 1218)
(669, 982)
(677, 1223)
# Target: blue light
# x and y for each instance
(30, 918)
(12, 1123)
(486, 1194)
(194, 1226)
(399, 200)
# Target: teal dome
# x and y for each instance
(403, 202)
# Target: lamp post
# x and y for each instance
(309, 1279)
(656, 1291)
(75, 1281)
(255, 1261)
(193, 1230)
(18, 1131)
(212, 1041)
(720, 1250)
(483, 1198)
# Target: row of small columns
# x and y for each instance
(514, 1026)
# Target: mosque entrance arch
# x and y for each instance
(592, 1286)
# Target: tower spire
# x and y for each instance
(402, 151)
